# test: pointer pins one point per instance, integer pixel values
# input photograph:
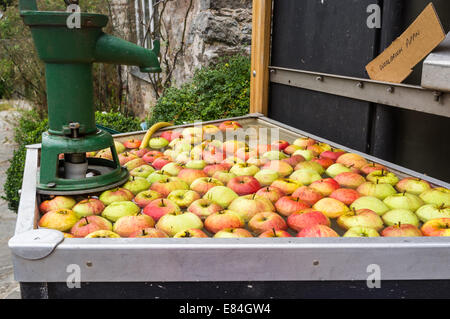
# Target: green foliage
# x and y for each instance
(29, 130)
(218, 91)
(22, 75)
(117, 121)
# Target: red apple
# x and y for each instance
(189, 175)
(58, 202)
(203, 184)
(140, 152)
(262, 222)
(128, 225)
(332, 155)
(170, 135)
(317, 231)
(166, 186)
(159, 207)
(229, 125)
(369, 168)
(352, 160)
(233, 233)
(90, 224)
(279, 145)
(125, 157)
(244, 185)
(324, 162)
(160, 161)
(149, 233)
(191, 233)
(325, 186)
(271, 193)
(401, 230)
(146, 197)
(349, 180)
(305, 219)
(294, 160)
(132, 143)
(288, 204)
(345, 195)
(308, 195)
(222, 220)
(275, 234)
(213, 168)
(439, 227)
(151, 156)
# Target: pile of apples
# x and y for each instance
(187, 184)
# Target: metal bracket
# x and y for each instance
(436, 68)
(404, 96)
(35, 244)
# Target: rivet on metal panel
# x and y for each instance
(437, 96)
(390, 89)
(360, 84)
(89, 263)
(254, 73)
(273, 71)
(319, 78)
(316, 263)
(51, 185)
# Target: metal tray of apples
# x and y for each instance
(331, 213)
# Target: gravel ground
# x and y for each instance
(8, 287)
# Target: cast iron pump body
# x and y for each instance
(69, 54)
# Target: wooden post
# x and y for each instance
(261, 29)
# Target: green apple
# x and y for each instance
(436, 196)
(310, 165)
(433, 211)
(361, 218)
(116, 210)
(157, 176)
(361, 232)
(221, 195)
(305, 176)
(183, 146)
(173, 223)
(142, 171)
(172, 168)
(182, 197)
(307, 154)
(404, 201)
(120, 148)
(380, 191)
(266, 176)
(336, 169)
(223, 176)
(196, 164)
(274, 155)
(412, 185)
(137, 184)
(158, 142)
(382, 177)
(370, 202)
(402, 216)
(244, 169)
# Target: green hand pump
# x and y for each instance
(68, 54)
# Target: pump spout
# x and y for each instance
(110, 49)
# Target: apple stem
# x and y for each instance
(442, 206)
(87, 221)
(274, 232)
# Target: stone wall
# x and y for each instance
(213, 29)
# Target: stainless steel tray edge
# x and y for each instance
(122, 260)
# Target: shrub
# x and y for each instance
(218, 91)
(29, 130)
(117, 121)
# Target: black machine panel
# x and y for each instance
(333, 37)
